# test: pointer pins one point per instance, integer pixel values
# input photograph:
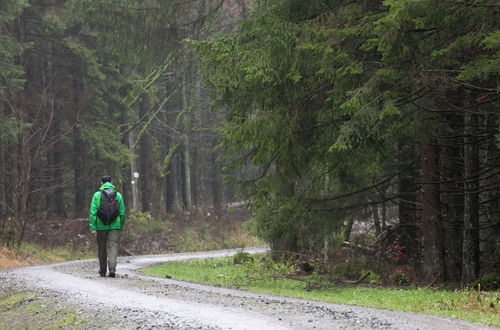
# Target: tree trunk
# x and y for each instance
(57, 171)
(470, 265)
(3, 185)
(186, 158)
(383, 219)
(169, 189)
(79, 153)
(179, 180)
(195, 175)
(408, 228)
(169, 179)
(146, 161)
(196, 142)
(216, 183)
(286, 238)
(135, 177)
(346, 231)
(11, 157)
(432, 242)
(78, 173)
(453, 199)
(186, 174)
(376, 224)
(492, 227)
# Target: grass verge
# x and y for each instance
(29, 310)
(262, 275)
(34, 254)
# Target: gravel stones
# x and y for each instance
(135, 301)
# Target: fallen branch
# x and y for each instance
(126, 252)
(434, 281)
(362, 278)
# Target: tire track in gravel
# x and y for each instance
(143, 302)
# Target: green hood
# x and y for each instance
(106, 185)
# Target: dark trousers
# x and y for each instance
(108, 242)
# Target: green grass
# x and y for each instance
(10, 301)
(29, 310)
(268, 277)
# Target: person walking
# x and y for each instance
(106, 221)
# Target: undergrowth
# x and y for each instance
(186, 232)
(62, 240)
(33, 254)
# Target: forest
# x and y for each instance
(321, 116)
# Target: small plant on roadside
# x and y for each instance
(269, 264)
(242, 258)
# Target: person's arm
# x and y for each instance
(94, 206)
(122, 210)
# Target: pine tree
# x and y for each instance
(331, 102)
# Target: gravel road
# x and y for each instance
(135, 301)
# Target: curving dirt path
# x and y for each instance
(135, 301)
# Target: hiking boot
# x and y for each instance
(102, 274)
(112, 275)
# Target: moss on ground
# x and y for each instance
(31, 310)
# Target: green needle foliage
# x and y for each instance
(328, 100)
(282, 125)
(303, 117)
(10, 73)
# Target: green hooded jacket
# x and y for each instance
(94, 222)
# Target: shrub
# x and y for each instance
(242, 258)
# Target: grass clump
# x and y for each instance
(242, 257)
(10, 301)
(263, 274)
